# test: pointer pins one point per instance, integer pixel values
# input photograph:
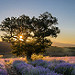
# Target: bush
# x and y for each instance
(3, 72)
(73, 72)
(27, 69)
(2, 69)
(39, 63)
(36, 57)
(51, 64)
(64, 68)
(41, 67)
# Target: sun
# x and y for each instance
(21, 36)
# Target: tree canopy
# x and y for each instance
(28, 35)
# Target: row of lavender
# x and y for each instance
(40, 67)
(59, 66)
(2, 69)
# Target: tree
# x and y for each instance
(29, 35)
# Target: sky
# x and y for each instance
(63, 10)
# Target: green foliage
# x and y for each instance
(33, 32)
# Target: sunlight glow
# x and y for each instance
(21, 36)
(32, 33)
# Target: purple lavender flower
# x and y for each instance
(64, 68)
(17, 62)
(51, 73)
(73, 72)
(2, 69)
(39, 63)
(3, 72)
(41, 67)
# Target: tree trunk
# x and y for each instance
(29, 57)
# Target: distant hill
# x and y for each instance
(5, 49)
(60, 51)
(63, 44)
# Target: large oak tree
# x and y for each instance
(29, 35)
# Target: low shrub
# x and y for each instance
(41, 67)
(36, 57)
(51, 64)
(39, 63)
(2, 69)
(73, 72)
(64, 68)
(3, 72)
(27, 69)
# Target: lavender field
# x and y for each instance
(37, 37)
(44, 66)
